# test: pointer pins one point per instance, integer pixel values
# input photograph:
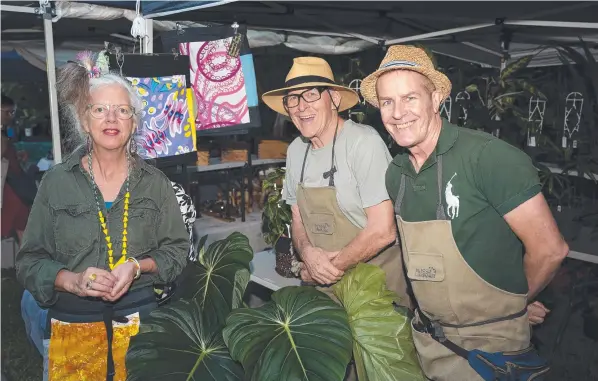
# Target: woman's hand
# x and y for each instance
(125, 274)
(92, 282)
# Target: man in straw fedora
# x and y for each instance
(341, 212)
(468, 207)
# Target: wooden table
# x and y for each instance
(583, 256)
(263, 273)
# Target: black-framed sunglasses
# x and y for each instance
(310, 95)
(100, 111)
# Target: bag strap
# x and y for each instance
(434, 328)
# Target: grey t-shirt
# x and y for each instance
(361, 160)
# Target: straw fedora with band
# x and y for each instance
(405, 57)
(308, 72)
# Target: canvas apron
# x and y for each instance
(89, 338)
(329, 229)
(472, 313)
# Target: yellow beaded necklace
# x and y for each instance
(102, 219)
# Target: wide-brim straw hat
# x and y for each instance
(309, 72)
(405, 57)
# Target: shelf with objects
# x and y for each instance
(235, 172)
(216, 189)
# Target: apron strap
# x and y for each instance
(440, 213)
(303, 165)
(328, 174)
(400, 195)
(107, 317)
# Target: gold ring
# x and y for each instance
(93, 277)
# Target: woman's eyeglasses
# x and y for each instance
(100, 111)
(309, 96)
(10, 112)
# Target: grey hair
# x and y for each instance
(74, 88)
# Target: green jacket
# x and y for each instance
(63, 231)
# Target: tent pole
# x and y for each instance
(553, 24)
(18, 9)
(147, 39)
(51, 73)
(438, 33)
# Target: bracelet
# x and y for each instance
(138, 273)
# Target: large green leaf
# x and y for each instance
(382, 344)
(217, 281)
(301, 335)
(179, 342)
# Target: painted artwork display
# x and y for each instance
(219, 84)
(224, 84)
(167, 125)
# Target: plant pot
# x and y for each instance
(284, 257)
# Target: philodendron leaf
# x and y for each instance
(218, 279)
(301, 335)
(179, 342)
(382, 344)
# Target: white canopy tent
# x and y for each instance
(480, 32)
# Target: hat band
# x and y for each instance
(306, 79)
(398, 63)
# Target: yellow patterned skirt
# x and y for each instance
(78, 351)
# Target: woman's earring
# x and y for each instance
(89, 143)
(132, 146)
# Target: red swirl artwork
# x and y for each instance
(218, 83)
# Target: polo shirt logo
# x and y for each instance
(452, 201)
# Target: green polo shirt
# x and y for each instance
(486, 178)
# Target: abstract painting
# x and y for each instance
(219, 84)
(167, 125)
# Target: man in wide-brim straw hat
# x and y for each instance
(341, 213)
(468, 207)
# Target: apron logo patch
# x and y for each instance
(322, 228)
(452, 201)
(427, 273)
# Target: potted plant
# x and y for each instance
(499, 103)
(301, 334)
(276, 222)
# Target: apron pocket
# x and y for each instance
(322, 223)
(425, 267)
(427, 277)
